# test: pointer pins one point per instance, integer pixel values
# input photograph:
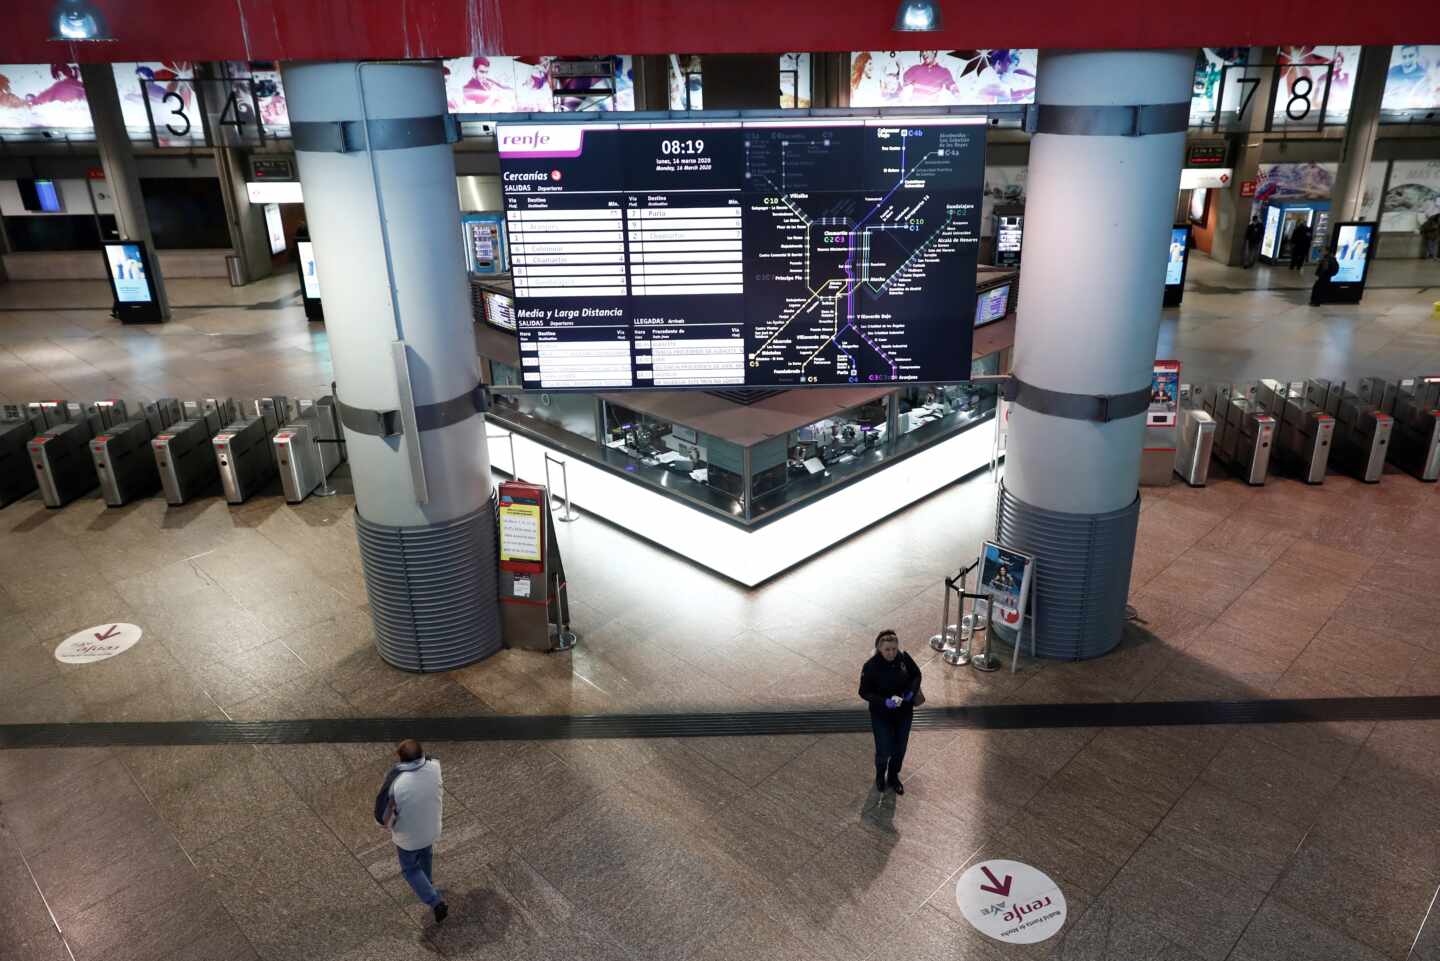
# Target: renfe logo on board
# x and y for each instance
(551, 140)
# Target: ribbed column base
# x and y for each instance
(433, 591)
(1082, 574)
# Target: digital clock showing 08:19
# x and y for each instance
(682, 147)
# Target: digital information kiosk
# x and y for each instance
(534, 606)
(127, 264)
(743, 253)
(1352, 246)
(1179, 259)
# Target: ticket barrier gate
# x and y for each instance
(17, 475)
(182, 452)
(122, 454)
(1244, 434)
(1415, 404)
(243, 451)
(1195, 444)
(1306, 433)
(60, 457)
(1362, 430)
(306, 449)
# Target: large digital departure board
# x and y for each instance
(756, 253)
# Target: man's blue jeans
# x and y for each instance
(415, 865)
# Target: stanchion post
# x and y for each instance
(569, 513)
(942, 640)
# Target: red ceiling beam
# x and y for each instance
(353, 29)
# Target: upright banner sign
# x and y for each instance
(1164, 394)
(1005, 577)
(756, 253)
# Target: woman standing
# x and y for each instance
(890, 683)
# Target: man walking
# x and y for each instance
(410, 804)
(1254, 234)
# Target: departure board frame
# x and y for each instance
(725, 253)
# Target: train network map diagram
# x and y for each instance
(762, 253)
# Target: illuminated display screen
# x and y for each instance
(127, 273)
(1179, 248)
(763, 253)
(1352, 252)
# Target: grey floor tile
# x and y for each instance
(46, 947)
(1277, 783)
(1231, 834)
(1280, 934)
(1105, 932)
(1187, 900)
(23, 914)
(167, 913)
(1375, 907)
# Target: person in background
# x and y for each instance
(1300, 246)
(411, 805)
(1326, 269)
(1430, 233)
(1254, 234)
(890, 684)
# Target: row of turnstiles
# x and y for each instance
(187, 449)
(1306, 428)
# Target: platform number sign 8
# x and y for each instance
(1300, 92)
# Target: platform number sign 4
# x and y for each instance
(218, 111)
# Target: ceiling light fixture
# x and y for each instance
(74, 20)
(918, 16)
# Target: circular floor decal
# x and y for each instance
(1010, 902)
(97, 643)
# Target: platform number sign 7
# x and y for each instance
(1301, 95)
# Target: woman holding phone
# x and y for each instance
(890, 684)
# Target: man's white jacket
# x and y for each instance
(418, 800)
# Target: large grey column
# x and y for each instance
(384, 215)
(1098, 216)
(117, 158)
(1362, 128)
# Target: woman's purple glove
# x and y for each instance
(909, 696)
(893, 702)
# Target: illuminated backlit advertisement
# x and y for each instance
(166, 86)
(275, 227)
(1352, 251)
(495, 84)
(1413, 195)
(1303, 70)
(1175, 266)
(306, 251)
(1413, 81)
(891, 78)
(127, 273)
(1164, 394)
(43, 96)
(1295, 181)
(795, 80)
(1269, 247)
(1207, 95)
(1198, 205)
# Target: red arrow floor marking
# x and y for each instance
(999, 887)
(111, 632)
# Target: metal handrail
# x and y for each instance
(568, 514)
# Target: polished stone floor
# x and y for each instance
(1300, 842)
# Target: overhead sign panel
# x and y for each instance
(762, 253)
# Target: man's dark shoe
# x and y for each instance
(442, 910)
(896, 786)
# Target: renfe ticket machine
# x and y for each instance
(534, 611)
(242, 449)
(308, 449)
(61, 459)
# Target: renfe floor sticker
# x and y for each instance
(97, 643)
(1010, 902)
